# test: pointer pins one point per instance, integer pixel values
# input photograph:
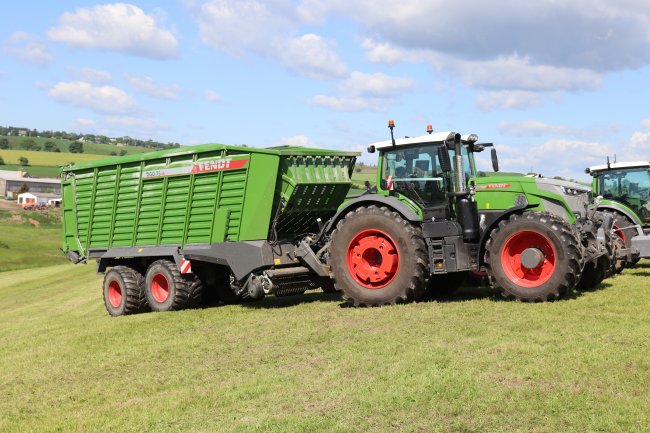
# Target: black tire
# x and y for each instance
(619, 263)
(445, 284)
(398, 271)
(625, 229)
(181, 291)
(593, 274)
(559, 269)
(124, 291)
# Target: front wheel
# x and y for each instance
(534, 256)
(378, 258)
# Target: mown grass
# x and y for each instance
(305, 363)
(23, 245)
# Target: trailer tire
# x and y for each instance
(378, 258)
(124, 291)
(167, 290)
(546, 241)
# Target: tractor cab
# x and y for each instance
(627, 183)
(419, 171)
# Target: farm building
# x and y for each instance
(11, 181)
(44, 198)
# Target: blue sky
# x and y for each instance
(555, 86)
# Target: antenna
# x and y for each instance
(608, 165)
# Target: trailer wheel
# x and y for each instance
(378, 258)
(166, 289)
(534, 256)
(124, 291)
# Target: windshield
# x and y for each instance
(416, 173)
(631, 187)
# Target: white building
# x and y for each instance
(39, 198)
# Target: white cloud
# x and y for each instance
(83, 124)
(362, 91)
(212, 96)
(296, 140)
(93, 76)
(148, 86)
(136, 123)
(117, 27)
(503, 73)
(310, 55)
(582, 34)
(28, 48)
(527, 128)
(229, 25)
(267, 28)
(645, 123)
(101, 99)
(516, 99)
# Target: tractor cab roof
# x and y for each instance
(446, 137)
(620, 165)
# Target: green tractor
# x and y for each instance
(623, 189)
(432, 221)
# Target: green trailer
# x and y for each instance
(212, 217)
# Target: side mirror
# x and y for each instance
(443, 157)
(495, 160)
(371, 149)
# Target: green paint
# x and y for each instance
(201, 194)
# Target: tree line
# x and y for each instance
(129, 141)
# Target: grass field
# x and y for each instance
(22, 245)
(301, 364)
(93, 148)
(46, 158)
(35, 170)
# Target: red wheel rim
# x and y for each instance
(159, 288)
(373, 259)
(620, 233)
(478, 273)
(511, 252)
(114, 294)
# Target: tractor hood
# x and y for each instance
(555, 195)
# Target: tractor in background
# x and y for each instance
(623, 190)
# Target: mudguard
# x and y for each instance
(369, 199)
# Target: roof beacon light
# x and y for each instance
(429, 129)
(472, 138)
(391, 125)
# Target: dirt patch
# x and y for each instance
(35, 223)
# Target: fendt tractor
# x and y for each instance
(170, 227)
(623, 189)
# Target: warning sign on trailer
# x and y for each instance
(219, 164)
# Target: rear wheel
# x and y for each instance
(534, 256)
(166, 289)
(378, 258)
(124, 291)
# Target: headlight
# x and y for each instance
(572, 191)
